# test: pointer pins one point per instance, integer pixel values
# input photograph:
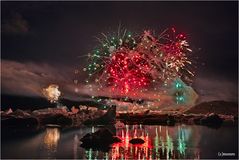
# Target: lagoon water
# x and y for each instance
(161, 142)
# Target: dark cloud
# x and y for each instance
(65, 30)
(16, 24)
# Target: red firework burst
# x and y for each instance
(126, 63)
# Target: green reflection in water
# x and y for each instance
(162, 144)
(169, 144)
(106, 156)
(156, 143)
(181, 141)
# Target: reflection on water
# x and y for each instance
(161, 142)
(75, 146)
(51, 138)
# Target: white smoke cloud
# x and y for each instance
(214, 88)
(29, 78)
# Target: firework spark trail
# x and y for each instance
(128, 63)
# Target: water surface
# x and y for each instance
(161, 142)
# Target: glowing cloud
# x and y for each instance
(52, 93)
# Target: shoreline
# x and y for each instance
(210, 119)
(91, 117)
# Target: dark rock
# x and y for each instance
(116, 139)
(100, 140)
(50, 112)
(100, 135)
(21, 113)
(235, 118)
(18, 119)
(63, 120)
(171, 120)
(27, 122)
(136, 141)
(57, 119)
(161, 120)
(57, 116)
(212, 120)
(197, 120)
(107, 118)
(148, 119)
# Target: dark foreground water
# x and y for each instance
(161, 142)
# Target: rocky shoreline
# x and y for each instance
(93, 116)
(210, 119)
(57, 116)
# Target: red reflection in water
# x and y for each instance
(160, 145)
(161, 142)
(128, 151)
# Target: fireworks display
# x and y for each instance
(129, 64)
(52, 93)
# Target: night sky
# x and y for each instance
(46, 39)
